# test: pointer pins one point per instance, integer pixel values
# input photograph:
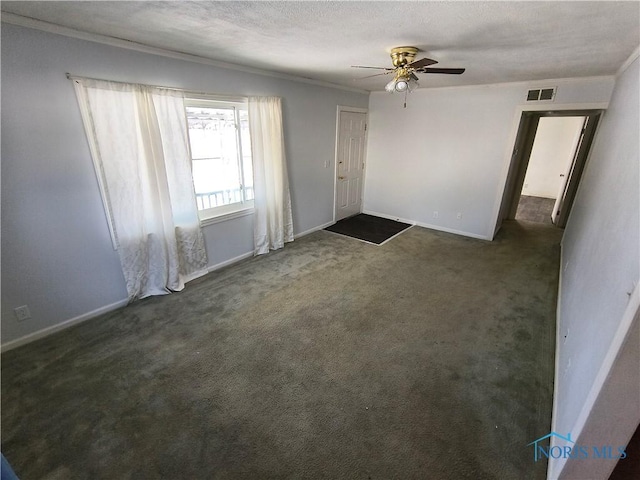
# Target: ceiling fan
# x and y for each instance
(405, 69)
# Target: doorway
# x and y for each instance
(553, 152)
(350, 155)
(528, 191)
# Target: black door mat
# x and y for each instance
(368, 228)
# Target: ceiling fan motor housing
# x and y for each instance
(400, 56)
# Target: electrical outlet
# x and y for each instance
(459, 215)
(22, 313)
(435, 214)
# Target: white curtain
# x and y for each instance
(273, 223)
(140, 147)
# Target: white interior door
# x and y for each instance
(352, 128)
(566, 177)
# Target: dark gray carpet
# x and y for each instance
(428, 357)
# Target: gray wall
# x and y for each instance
(600, 271)
(449, 150)
(56, 253)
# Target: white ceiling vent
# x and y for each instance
(547, 94)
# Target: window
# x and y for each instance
(221, 158)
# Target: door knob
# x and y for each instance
(341, 178)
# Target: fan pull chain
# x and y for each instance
(405, 98)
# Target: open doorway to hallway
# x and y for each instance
(566, 183)
(552, 155)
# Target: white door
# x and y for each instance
(350, 163)
(566, 177)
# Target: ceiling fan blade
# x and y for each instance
(423, 62)
(374, 75)
(451, 71)
(414, 76)
(377, 68)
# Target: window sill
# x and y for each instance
(226, 216)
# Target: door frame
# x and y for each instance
(566, 175)
(340, 109)
(525, 124)
(577, 168)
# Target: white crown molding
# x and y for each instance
(526, 83)
(628, 61)
(28, 22)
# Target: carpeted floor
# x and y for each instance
(535, 209)
(428, 357)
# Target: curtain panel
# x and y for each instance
(273, 221)
(140, 148)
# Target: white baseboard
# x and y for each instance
(108, 308)
(427, 225)
(31, 337)
(231, 261)
(314, 229)
(244, 256)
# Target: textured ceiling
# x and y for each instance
(495, 41)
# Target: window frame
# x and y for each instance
(230, 211)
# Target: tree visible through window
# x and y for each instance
(221, 156)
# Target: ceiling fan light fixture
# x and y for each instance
(405, 68)
(402, 85)
(391, 86)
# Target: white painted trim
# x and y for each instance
(45, 332)
(493, 226)
(427, 225)
(556, 369)
(390, 217)
(336, 146)
(231, 261)
(352, 238)
(195, 275)
(244, 256)
(227, 216)
(526, 83)
(314, 229)
(340, 109)
(31, 337)
(27, 22)
(603, 373)
(397, 234)
(563, 106)
(508, 155)
(632, 58)
(453, 231)
(344, 108)
(411, 225)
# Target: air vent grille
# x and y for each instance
(547, 94)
